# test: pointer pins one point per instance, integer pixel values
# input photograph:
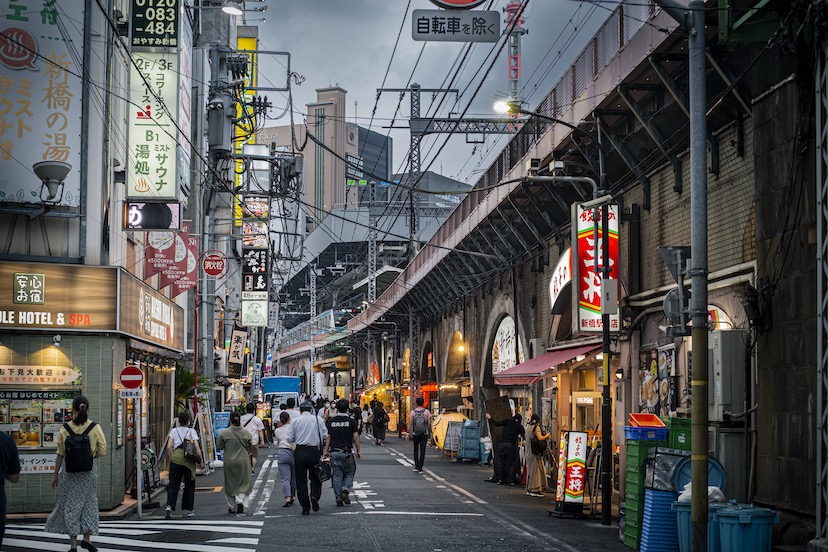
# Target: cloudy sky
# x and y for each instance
(349, 43)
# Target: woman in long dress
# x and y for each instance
(287, 464)
(535, 473)
(380, 421)
(181, 467)
(235, 442)
(76, 509)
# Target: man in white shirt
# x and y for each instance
(291, 409)
(308, 432)
(254, 426)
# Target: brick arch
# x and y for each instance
(502, 307)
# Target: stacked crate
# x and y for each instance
(637, 452)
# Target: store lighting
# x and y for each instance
(619, 374)
(56, 340)
(599, 356)
(555, 378)
(231, 7)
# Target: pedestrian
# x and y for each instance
(535, 473)
(420, 423)
(507, 452)
(342, 442)
(76, 477)
(236, 444)
(181, 467)
(254, 426)
(9, 471)
(308, 433)
(355, 413)
(291, 408)
(367, 420)
(380, 423)
(285, 459)
(323, 409)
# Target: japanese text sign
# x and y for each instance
(455, 26)
(40, 375)
(586, 247)
(238, 343)
(561, 276)
(40, 96)
(154, 23)
(576, 451)
(37, 463)
(151, 170)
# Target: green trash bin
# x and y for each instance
(746, 528)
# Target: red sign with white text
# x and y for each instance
(178, 267)
(190, 279)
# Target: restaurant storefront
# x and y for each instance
(69, 330)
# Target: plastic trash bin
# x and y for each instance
(683, 474)
(746, 528)
(685, 526)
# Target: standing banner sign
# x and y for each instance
(586, 246)
(571, 472)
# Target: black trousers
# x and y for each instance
(506, 455)
(306, 458)
(177, 472)
(420, 442)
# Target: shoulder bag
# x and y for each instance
(191, 451)
(322, 468)
(538, 446)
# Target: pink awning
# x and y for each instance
(529, 372)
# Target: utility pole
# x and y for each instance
(691, 18)
(372, 243)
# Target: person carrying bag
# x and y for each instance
(184, 454)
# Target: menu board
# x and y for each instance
(34, 418)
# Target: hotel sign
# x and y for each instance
(45, 296)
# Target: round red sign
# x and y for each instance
(457, 4)
(132, 377)
(214, 264)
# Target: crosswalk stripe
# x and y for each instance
(171, 524)
(235, 541)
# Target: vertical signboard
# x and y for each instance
(152, 133)
(154, 24)
(41, 91)
(185, 102)
(586, 246)
(190, 279)
(571, 472)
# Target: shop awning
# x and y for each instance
(529, 372)
(334, 363)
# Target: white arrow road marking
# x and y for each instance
(357, 485)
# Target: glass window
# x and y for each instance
(34, 418)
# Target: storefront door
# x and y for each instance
(586, 411)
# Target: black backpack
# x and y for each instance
(420, 425)
(78, 449)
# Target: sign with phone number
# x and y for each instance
(155, 23)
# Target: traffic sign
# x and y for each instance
(132, 377)
(132, 393)
(457, 4)
(214, 264)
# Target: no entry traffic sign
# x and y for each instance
(132, 377)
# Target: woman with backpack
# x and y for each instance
(182, 467)
(535, 443)
(79, 442)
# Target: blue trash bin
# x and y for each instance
(746, 528)
(685, 526)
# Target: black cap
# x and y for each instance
(306, 406)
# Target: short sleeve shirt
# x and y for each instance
(253, 425)
(97, 440)
(9, 465)
(341, 428)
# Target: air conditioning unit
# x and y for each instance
(726, 369)
(533, 165)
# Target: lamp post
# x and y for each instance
(513, 106)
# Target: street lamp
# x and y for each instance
(511, 105)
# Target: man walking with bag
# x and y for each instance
(308, 432)
(419, 422)
(341, 444)
(255, 427)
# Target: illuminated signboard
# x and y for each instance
(139, 215)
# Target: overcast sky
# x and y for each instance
(348, 43)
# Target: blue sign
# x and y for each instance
(221, 421)
(269, 355)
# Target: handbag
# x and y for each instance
(322, 468)
(191, 451)
(538, 446)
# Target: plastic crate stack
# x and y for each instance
(680, 432)
(637, 452)
(659, 531)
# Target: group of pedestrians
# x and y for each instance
(507, 467)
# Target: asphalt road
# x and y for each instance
(448, 507)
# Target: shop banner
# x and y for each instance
(238, 344)
(159, 252)
(41, 91)
(586, 246)
(561, 276)
(178, 267)
(190, 279)
(148, 315)
(503, 350)
(40, 375)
